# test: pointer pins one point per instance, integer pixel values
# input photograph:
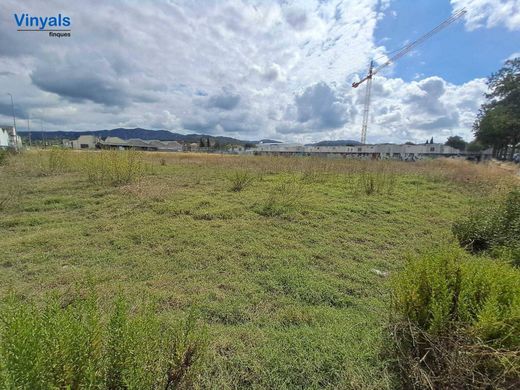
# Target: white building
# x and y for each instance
(4, 138)
(376, 151)
(84, 142)
(9, 138)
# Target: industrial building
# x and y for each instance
(405, 152)
(9, 138)
(92, 142)
(83, 142)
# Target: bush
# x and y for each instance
(240, 180)
(80, 346)
(58, 161)
(114, 167)
(456, 322)
(378, 182)
(494, 227)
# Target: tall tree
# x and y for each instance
(498, 121)
(456, 142)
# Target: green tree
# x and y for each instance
(456, 142)
(498, 121)
(474, 146)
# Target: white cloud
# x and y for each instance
(490, 13)
(265, 70)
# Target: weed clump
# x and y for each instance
(81, 346)
(4, 156)
(455, 322)
(493, 228)
(58, 161)
(114, 167)
(8, 192)
(281, 200)
(239, 180)
(377, 182)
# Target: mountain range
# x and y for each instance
(144, 134)
(161, 135)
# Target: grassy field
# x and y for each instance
(283, 260)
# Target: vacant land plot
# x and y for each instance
(284, 261)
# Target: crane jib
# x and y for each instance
(371, 72)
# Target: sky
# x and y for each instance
(255, 69)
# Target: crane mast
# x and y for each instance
(372, 72)
(366, 108)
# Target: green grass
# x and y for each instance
(281, 271)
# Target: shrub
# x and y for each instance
(80, 346)
(379, 182)
(114, 167)
(494, 227)
(57, 161)
(456, 322)
(240, 180)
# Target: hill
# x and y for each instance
(339, 142)
(145, 134)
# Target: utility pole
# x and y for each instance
(29, 130)
(14, 139)
(43, 137)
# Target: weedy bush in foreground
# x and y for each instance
(494, 227)
(455, 322)
(376, 182)
(113, 167)
(58, 161)
(80, 346)
(240, 180)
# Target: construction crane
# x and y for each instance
(400, 53)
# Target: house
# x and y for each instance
(113, 143)
(9, 138)
(85, 142)
(139, 144)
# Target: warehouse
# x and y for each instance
(9, 138)
(377, 151)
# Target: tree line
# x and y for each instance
(498, 120)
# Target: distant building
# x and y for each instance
(84, 142)
(193, 147)
(4, 138)
(376, 151)
(9, 138)
(92, 142)
(139, 144)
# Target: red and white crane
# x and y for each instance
(373, 71)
